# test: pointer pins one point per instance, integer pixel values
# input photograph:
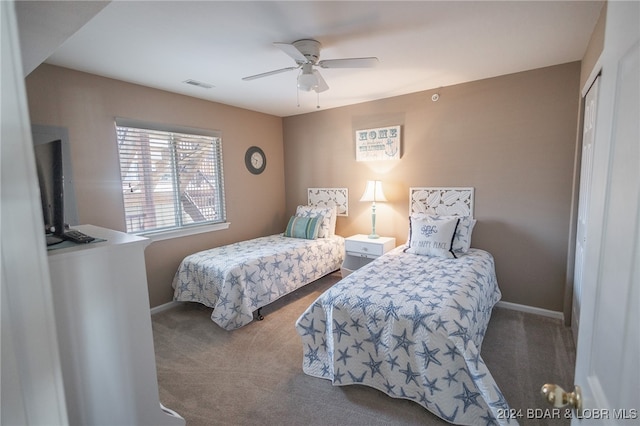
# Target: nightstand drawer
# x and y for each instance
(364, 248)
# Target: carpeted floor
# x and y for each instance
(254, 376)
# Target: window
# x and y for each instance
(170, 179)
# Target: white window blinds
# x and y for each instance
(170, 179)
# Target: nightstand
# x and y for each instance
(360, 250)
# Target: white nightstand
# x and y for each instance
(360, 250)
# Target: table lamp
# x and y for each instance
(373, 192)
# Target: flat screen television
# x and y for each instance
(49, 164)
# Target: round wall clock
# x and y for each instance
(255, 160)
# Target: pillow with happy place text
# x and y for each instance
(431, 237)
(328, 222)
(462, 238)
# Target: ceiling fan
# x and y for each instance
(306, 53)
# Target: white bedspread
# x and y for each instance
(239, 278)
(410, 326)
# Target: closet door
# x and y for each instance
(588, 138)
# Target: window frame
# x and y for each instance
(159, 234)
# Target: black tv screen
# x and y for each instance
(51, 179)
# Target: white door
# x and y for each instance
(588, 137)
(608, 353)
(31, 377)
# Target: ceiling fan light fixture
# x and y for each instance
(306, 53)
(307, 80)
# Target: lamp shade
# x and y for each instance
(373, 192)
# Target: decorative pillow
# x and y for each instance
(328, 222)
(462, 238)
(432, 237)
(303, 227)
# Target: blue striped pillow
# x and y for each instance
(303, 227)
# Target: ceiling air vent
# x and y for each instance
(199, 84)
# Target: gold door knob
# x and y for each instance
(557, 396)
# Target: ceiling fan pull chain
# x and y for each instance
(318, 100)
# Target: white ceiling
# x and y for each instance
(421, 45)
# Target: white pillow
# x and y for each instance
(328, 223)
(462, 239)
(431, 237)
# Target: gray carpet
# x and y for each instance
(253, 375)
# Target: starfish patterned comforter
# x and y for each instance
(410, 326)
(237, 279)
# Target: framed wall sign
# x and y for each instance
(378, 144)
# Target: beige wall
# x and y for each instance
(87, 104)
(511, 137)
(594, 48)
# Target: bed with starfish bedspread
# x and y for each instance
(237, 280)
(411, 324)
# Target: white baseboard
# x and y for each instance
(501, 304)
(531, 310)
(164, 307)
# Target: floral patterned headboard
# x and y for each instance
(322, 197)
(441, 201)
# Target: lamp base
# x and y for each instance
(374, 236)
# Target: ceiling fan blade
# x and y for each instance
(292, 51)
(322, 85)
(266, 74)
(349, 63)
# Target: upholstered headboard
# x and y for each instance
(323, 197)
(441, 201)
